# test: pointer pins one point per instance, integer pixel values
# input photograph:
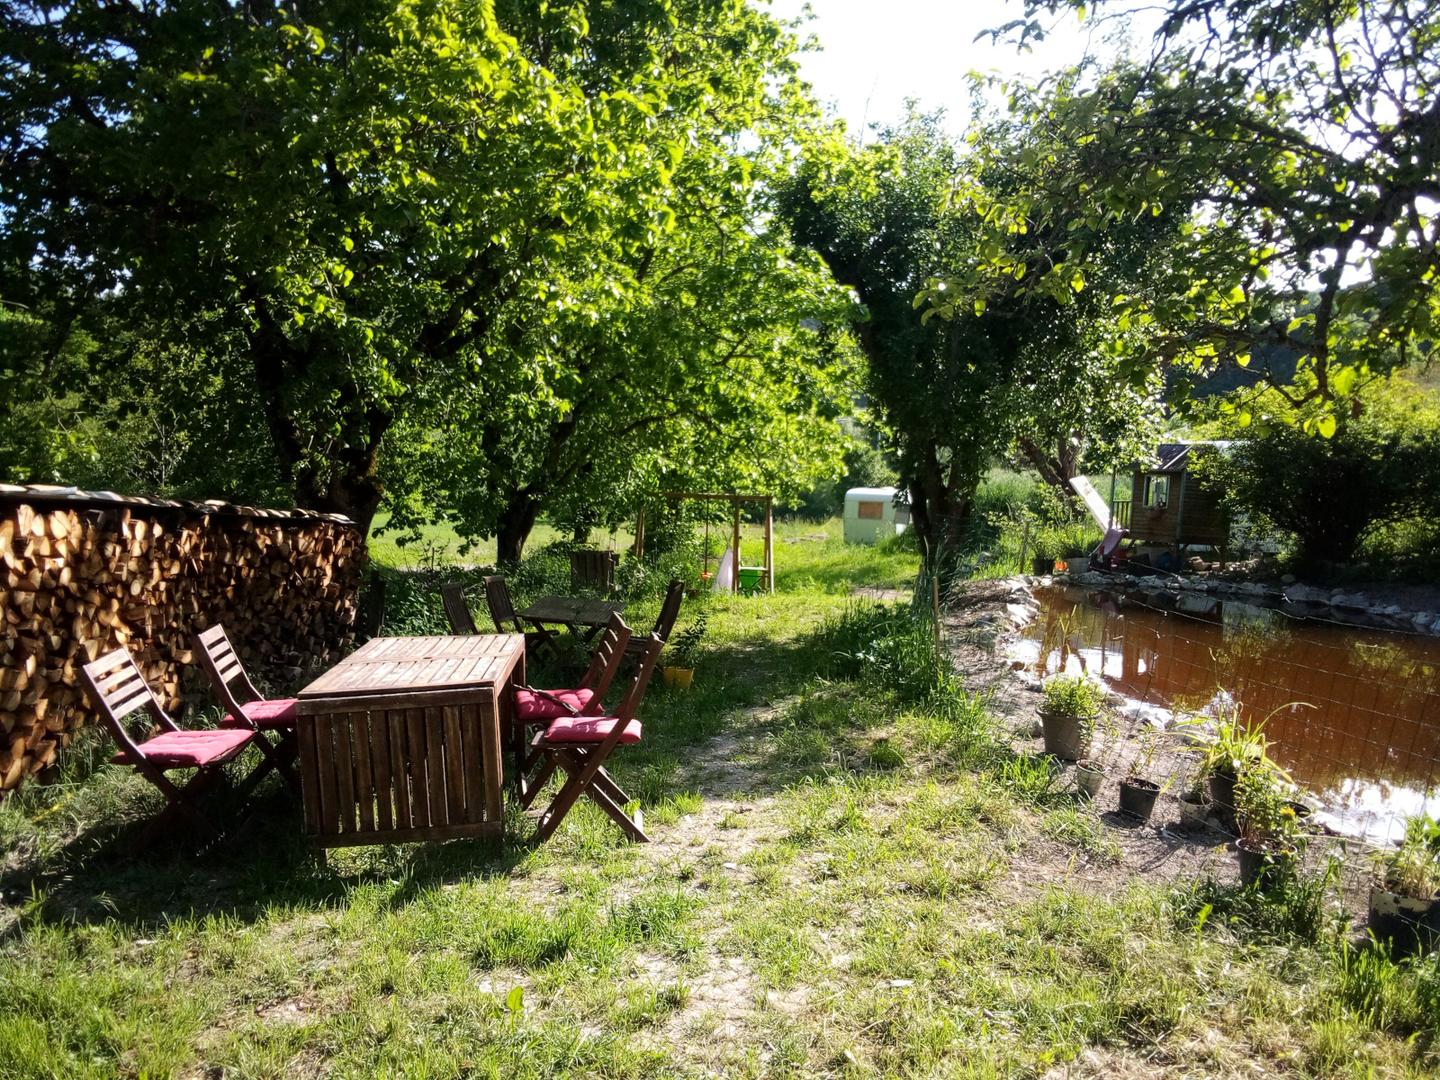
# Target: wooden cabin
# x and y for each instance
(1167, 505)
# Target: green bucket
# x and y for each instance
(750, 578)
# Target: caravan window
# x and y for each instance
(870, 511)
(1157, 491)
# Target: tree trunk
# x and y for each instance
(1056, 468)
(347, 483)
(939, 513)
(516, 521)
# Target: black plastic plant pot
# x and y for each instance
(1263, 865)
(1065, 736)
(1222, 797)
(1137, 797)
(1405, 924)
(1040, 567)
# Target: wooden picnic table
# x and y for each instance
(572, 612)
(402, 739)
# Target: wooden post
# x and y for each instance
(770, 543)
(735, 552)
(638, 548)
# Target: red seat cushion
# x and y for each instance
(589, 729)
(532, 706)
(190, 749)
(279, 713)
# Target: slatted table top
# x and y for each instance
(571, 610)
(399, 664)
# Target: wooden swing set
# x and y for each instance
(736, 501)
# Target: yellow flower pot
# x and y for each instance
(678, 678)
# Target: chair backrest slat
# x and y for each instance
(452, 595)
(593, 569)
(606, 660)
(641, 681)
(502, 608)
(127, 692)
(123, 702)
(224, 670)
(633, 697)
(670, 609)
(110, 684)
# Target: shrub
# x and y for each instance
(891, 647)
(1380, 468)
(1077, 696)
(1413, 869)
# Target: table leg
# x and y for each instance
(517, 726)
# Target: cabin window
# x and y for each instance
(1157, 491)
(870, 511)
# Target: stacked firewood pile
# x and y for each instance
(82, 573)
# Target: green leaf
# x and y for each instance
(1326, 425)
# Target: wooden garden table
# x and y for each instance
(572, 612)
(402, 739)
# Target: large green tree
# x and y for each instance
(1024, 370)
(1301, 141)
(376, 204)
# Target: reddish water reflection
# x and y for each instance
(1370, 718)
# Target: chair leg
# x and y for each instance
(554, 814)
(606, 783)
(182, 804)
(617, 814)
(589, 778)
(535, 785)
(263, 769)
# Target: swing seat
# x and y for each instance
(751, 578)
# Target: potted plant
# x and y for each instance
(681, 652)
(1194, 806)
(1405, 898)
(1067, 715)
(1234, 746)
(1089, 776)
(1047, 550)
(1137, 791)
(1270, 835)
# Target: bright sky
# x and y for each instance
(877, 53)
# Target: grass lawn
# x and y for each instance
(852, 875)
(439, 545)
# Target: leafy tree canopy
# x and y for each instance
(1300, 142)
(1020, 368)
(394, 212)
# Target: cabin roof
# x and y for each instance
(1175, 456)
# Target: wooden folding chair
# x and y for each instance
(502, 613)
(120, 690)
(581, 745)
(669, 612)
(245, 708)
(534, 707)
(592, 569)
(457, 610)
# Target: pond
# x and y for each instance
(1354, 714)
